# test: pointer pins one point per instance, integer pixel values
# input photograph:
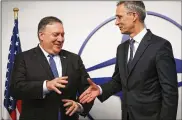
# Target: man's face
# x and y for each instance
(124, 19)
(52, 38)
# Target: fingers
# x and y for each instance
(92, 85)
(60, 85)
(90, 82)
(73, 111)
(67, 102)
(90, 99)
(62, 79)
(71, 106)
(56, 90)
(84, 94)
(86, 99)
(60, 82)
(57, 83)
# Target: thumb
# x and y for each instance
(90, 82)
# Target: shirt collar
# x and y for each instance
(45, 53)
(138, 38)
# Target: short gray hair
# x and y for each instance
(135, 6)
(45, 21)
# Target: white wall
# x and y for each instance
(79, 19)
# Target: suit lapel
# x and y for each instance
(64, 60)
(43, 61)
(125, 57)
(146, 41)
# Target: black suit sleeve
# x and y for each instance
(113, 86)
(166, 69)
(83, 86)
(20, 87)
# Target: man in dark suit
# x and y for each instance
(145, 70)
(48, 78)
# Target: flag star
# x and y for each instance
(9, 51)
(15, 53)
(5, 88)
(10, 107)
(6, 79)
(17, 43)
(11, 98)
(4, 97)
(17, 35)
(8, 60)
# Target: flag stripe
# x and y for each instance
(15, 47)
(18, 105)
(13, 115)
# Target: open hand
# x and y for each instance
(90, 94)
(57, 83)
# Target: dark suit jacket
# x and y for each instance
(150, 90)
(31, 69)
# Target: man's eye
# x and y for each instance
(55, 35)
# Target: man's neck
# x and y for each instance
(137, 29)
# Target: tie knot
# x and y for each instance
(51, 55)
(132, 41)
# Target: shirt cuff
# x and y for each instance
(100, 89)
(45, 90)
(81, 109)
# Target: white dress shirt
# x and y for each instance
(138, 38)
(58, 65)
(59, 68)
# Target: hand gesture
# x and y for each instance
(57, 83)
(90, 94)
(71, 106)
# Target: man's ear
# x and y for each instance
(135, 16)
(41, 35)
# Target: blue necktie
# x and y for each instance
(53, 66)
(55, 73)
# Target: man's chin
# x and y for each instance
(124, 32)
(57, 50)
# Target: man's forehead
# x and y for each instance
(121, 10)
(54, 26)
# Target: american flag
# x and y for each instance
(15, 47)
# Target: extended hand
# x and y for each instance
(71, 106)
(90, 94)
(57, 83)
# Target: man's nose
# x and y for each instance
(116, 22)
(60, 38)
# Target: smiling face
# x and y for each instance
(52, 38)
(124, 19)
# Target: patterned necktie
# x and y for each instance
(55, 73)
(131, 44)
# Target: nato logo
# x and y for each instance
(112, 61)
